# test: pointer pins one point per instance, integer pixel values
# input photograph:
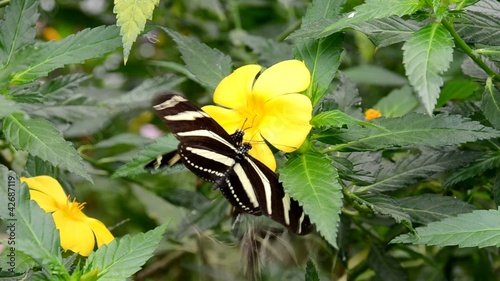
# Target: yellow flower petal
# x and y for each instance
(371, 114)
(263, 153)
(75, 235)
(229, 119)
(289, 76)
(286, 124)
(232, 91)
(51, 188)
(46, 202)
(102, 234)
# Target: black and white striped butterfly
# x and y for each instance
(211, 153)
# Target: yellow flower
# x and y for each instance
(266, 106)
(372, 114)
(77, 232)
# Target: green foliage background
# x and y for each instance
(410, 196)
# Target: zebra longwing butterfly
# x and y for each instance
(211, 153)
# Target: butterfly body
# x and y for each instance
(211, 153)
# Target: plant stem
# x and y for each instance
(233, 6)
(4, 3)
(468, 50)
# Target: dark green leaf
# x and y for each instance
(7, 107)
(410, 130)
(208, 65)
(347, 98)
(427, 208)
(385, 266)
(374, 75)
(313, 181)
(162, 146)
(322, 58)
(491, 105)
(383, 205)
(62, 86)
(322, 9)
(427, 54)
(387, 31)
(40, 138)
(411, 170)
(490, 160)
(332, 118)
(69, 113)
(269, 51)
(475, 27)
(480, 228)
(76, 48)
(311, 272)
(206, 217)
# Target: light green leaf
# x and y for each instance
(382, 204)
(332, 118)
(374, 75)
(313, 181)
(39, 138)
(387, 31)
(18, 28)
(7, 107)
(370, 10)
(124, 256)
(427, 54)
(135, 166)
(413, 129)
(491, 104)
(36, 233)
(397, 103)
(427, 208)
(480, 228)
(208, 65)
(489, 160)
(322, 9)
(411, 170)
(76, 48)
(322, 58)
(456, 89)
(131, 16)
(142, 95)
(492, 52)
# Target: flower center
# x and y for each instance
(73, 209)
(253, 113)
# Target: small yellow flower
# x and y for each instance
(372, 114)
(50, 33)
(266, 106)
(77, 232)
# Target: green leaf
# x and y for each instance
(208, 65)
(347, 98)
(489, 160)
(76, 48)
(7, 107)
(36, 233)
(480, 228)
(374, 75)
(205, 217)
(332, 118)
(427, 54)
(491, 104)
(385, 266)
(413, 129)
(161, 146)
(382, 204)
(124, 256)
(69, 113)
(478, 27)
(311, 272)
(387, 31)
(18, 28)
(411, 170)
(397, 103)
(320, 9)
(142, 95)
(313, 181)
(492, 52)
(131, 16)
(370, 10)
(8, 188)
(62, 86)
(269, 51)
(322, 58)
(427, 208)
(40, 138)
(456, 89)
